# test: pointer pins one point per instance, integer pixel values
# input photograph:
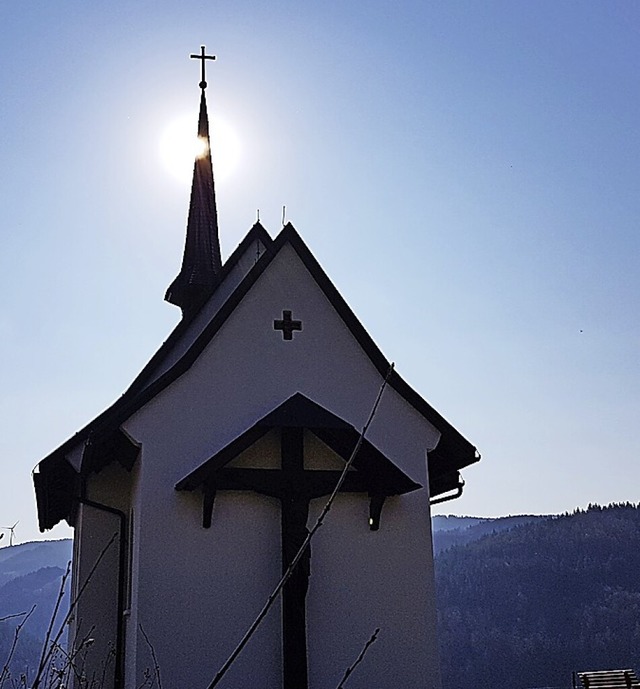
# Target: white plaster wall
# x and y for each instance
(96, 607)
(248, 369)
(362, 580)
(197, 589)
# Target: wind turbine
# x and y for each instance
(11, 530)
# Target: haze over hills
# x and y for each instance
(523, 600)
(450, 530)
(22, 559)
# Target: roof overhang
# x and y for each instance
(454, 452)
(381, 475)
(57, 484)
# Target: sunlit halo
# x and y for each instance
(200, 147)
(179, 147)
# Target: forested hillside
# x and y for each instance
(450, 530)
(527, 606)
(523, 601)
(30, 576)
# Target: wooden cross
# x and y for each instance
(202, 57)
(287, 325)
(295, 487)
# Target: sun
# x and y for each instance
(179, 146)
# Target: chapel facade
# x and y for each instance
(193, 493)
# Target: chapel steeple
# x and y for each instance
(201, 261)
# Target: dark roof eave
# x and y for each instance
(383, 476)
(56, 486)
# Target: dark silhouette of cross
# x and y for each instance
(295, 487)
(287, 325)
(202, 57)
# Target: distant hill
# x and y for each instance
(450, 530)
(526, 606)
(30, 575)
(29, 557)
(523, 601)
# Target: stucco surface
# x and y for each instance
(197, 590)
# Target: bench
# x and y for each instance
(608, 679)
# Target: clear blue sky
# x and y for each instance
(468, 174)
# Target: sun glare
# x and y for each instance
(200, 147)
(179, 147)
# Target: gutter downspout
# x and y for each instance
(119, 659)
(446, 498)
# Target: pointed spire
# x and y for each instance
(201, 262)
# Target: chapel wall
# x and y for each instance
(199, 589)
(96, 607)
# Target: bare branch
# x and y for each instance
(5, 670)
(363, 652)
(70, 664)
(72, 606)
(47, 638)
(287, 575)
(15, 614)
(86, 642)
(105, 665)
(147, 680)
(156, 666)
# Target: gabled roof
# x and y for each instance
(383, 476)
(452, 453)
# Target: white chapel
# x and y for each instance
(193, 493)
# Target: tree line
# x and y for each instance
(526, 607)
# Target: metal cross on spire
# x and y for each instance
(202, 57)
(201, 261)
